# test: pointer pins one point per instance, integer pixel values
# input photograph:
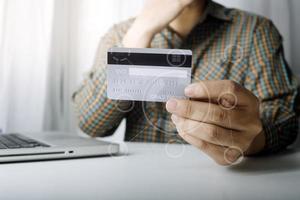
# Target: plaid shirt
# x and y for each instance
(228, 44)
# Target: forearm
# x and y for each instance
(273, 82)
(138, 36)
(157, 15)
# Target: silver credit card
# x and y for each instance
(154, 75)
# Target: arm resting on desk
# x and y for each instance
(98, 115)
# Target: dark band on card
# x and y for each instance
(150, 59)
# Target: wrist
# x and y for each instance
(257, 145)
(138, 36)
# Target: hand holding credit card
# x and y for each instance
(154, 75)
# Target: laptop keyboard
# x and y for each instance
(17, 141)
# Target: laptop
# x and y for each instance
(17, 147)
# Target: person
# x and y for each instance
(243, 98)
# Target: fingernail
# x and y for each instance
(225, 103)
(171, 105)
(233, 155)
(175, 119)
(189, 90)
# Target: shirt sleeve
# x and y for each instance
(272, 81)
(98, 115)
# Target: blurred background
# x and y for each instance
(46, 46)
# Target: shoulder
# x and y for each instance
(241, 22)
(249, 27)
(250, 20)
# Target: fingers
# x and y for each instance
(207, 132)
(221, 119)
(223, 145)
(220, 91)
(221, 155)
(207, 113)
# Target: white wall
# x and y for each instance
(295, 35)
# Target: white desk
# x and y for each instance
(149, 173)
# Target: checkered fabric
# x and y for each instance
(228, 44)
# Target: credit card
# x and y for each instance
(153, 75)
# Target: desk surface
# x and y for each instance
(153, 171)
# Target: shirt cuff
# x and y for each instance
(279, 136)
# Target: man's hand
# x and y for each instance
(221, 119)
(155, 16)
